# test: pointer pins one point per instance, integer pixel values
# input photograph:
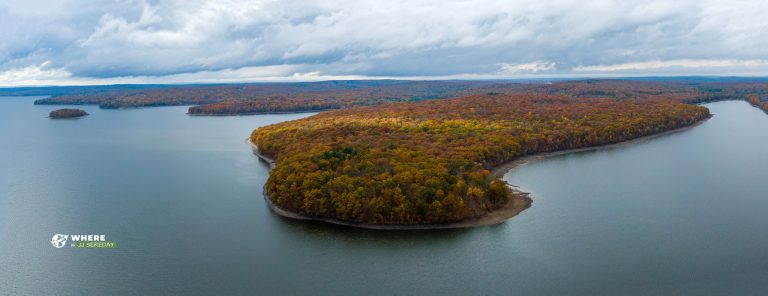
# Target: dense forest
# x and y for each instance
(264, 97)
(755, 101)
(411, 91)
(234, 99)
(677, 90)
(431, 161)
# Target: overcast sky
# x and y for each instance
(139, 41)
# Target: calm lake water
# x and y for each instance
(680, 214)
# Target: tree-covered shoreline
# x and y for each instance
(430, 162)
(67, 113)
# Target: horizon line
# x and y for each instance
(286, 80)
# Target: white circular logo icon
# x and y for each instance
(59, 240)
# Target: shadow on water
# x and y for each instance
(317, 228)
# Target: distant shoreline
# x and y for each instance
(519, 199)
(260, 113)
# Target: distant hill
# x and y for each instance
(258, 97)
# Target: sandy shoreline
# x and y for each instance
(518, 201)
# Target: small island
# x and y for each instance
(67, 113)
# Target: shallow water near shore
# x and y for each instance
(181, 195)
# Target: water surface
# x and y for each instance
(680, 214)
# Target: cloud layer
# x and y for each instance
(65, 41)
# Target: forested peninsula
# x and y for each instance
(430, 163)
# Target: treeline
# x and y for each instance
(404, 91)
(688, 91)
(233, 99)
(755, 101)
(431, 161)
(265, 97)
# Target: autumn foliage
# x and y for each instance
(755, 101)
(233, 99)
(67, 113)
(431, 161)
(266, 97)
(337, 98)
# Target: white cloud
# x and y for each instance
(398, 38)
(34, 75)
(43, 75)
(533, 67)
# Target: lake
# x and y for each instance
(683, 213)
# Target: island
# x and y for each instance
(437, 164)
(67, 113)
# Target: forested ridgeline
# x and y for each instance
(688, 91)
(234, 99)
(268, 97)
(431, 161)
(404, 91)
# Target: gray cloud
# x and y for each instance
(65, 40)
